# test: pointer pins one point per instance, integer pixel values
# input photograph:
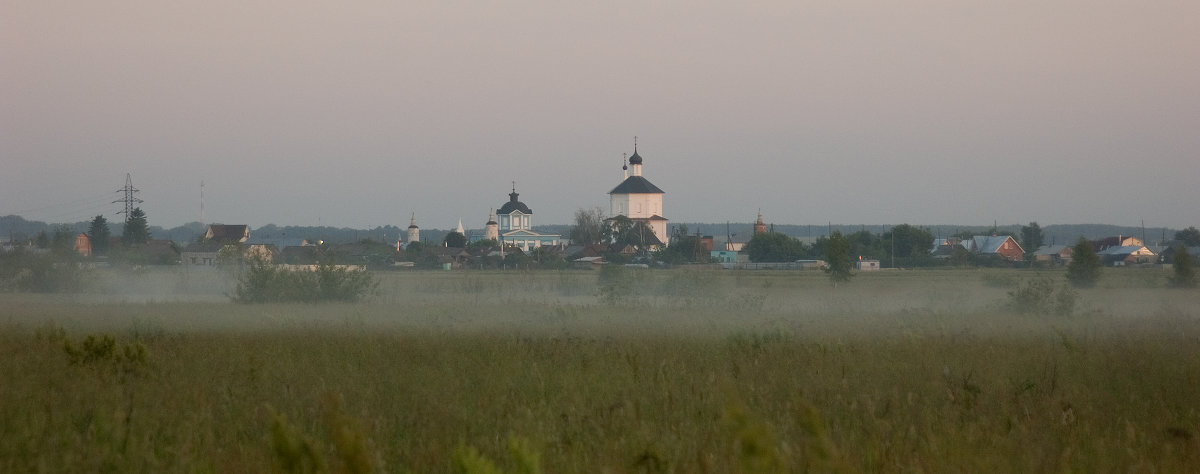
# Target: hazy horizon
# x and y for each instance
(358, 115)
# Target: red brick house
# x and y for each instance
(1003, 245)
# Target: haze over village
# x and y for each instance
(850, 113)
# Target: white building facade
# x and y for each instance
(639, 199)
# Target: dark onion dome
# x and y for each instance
(491, 222)
(636, 159)
(636, 185)
(514, 205)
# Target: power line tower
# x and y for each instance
(130, 198)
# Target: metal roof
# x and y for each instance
(636, 185)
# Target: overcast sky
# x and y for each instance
(360, 113)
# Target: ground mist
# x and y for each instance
(686, 372)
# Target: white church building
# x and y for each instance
(512, 225)
(639, 199)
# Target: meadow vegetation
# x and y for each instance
(628, 370)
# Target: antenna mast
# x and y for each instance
(130, 198)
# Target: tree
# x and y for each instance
(547, 258)
(1085, 267)
(865, 244)
(589, 226)
(63, 241)
(99, 234)
(482, 245)
(908, 243)
(640, 236)
(1189, 236)
(616, 229)
(684, 248)
(455, 240)
(837, 258)
(1185, 271)
(413, 251)
(136, 231)
(1031, 238)
(624, 231)
(774, 247)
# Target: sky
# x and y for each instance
(360, 114)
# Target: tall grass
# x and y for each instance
(901, 372)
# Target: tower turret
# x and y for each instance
(414, 232)
(635, 161)
(491, 229)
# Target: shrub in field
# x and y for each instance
(1041, 296)
(616, 283)
(294, 451)
(1084, 269)
(525, 457)
(1185, 271)
(261, 282)
(23, 270)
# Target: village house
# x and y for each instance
(1003, 246)
(1127, 255)
(201, 253)
(1106, 243)
(999, 246)
(1054, 254)
(83, 245)
(227, 234)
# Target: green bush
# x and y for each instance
(616, 283)
(1185, 272)
(1040, 296)
(24, 270)
(262, 282)
(1085, 267)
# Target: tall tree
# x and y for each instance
(1085, 267)
(837, 258)
(774, 247)
(455, 240)
(865, 244)
(63, 238)
(909, 243)
(1185, 271)
(99, 234)
(589, 226)
(1032, 238)
(1189, 236)
(136, 231)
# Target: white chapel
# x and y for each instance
(639, 199)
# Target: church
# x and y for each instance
(639, 199)
(512, 225)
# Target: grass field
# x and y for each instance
(690, 371)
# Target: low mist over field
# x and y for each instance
(577, 371)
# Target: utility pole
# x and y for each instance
(129, 199)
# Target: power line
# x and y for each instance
(66, 204)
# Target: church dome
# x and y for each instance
(514, 205)
(636, 159)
